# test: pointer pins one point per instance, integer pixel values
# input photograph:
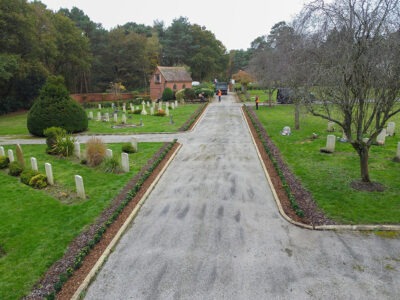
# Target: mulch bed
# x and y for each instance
(312, 214)
(367, 186)
(197, 114)
(45, 286)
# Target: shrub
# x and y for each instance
(209, 93)
(4, 162)
(160, 113)
(135, 94)
(64, 145)
(128, 148)
(189, 93)
(51, 134)
(27, 175)
(38, 181)
(15, 168)
(111, 165)
(137, 111)
(180, 95)
(55, 107)
(167, 94)
(95, 151)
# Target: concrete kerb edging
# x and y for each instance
(120, 232)
(199, 118)
(364, 227)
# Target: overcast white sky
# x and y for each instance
(235, 22)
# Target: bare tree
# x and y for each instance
(354, 64)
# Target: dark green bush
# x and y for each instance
(190, 94)
(4, 162)
(55, 107)
(51, 137)
(39, 181)
(167, 94)
(64, 145)
(137, 111)
(27, 175)
(15, 168)
(128, 148)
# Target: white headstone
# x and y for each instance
(380, 139)
(390, 129)
(148, 104)
(49, 173)
(124, 108)
(152, 111)
(125, 161)
(331, 126)
(398, 150)
(116, 118)
(132, 107)
(167, 111)
(2, 151)
(176, 103)
(91, 115)
(173, 105)
(34, 164)
(112, 105)
(80, 189)
(109, 153)
(154, 105)
(107, 117)
(330, 142)
(144, 112)
(99, 116)
(134, 144)
(137, 107)
(77, 149)
(143, 103)
(99, 106)
(10, 155)
(123, 118)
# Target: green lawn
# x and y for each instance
(263, 94)
(15, 124)
(35, 228)
(328, 176)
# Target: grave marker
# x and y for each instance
(77, 149)
(80, 189)
(98, 116)
(34, 164)
(125, 161)
(109, 153)
(390, 129)
(99, 106)
(10, 155)
(91, 115)
(123, 118)
(116, 118)
(2, 151)
(380, 139)
(134, 144)
(49, 173)
(330, 143)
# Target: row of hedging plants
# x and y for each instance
(55, 107)
(293, 203)
(193, 118)
(79, 259)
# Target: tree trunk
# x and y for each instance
(363, 153)
(270, 97)
(297, 116)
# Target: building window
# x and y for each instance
(157, 78)
(174, 86)
(184, 86)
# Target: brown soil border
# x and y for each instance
(313, 215)
(46, 284)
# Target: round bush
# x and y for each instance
(190, 94)
(55, 107)
(167, 94)
(4, 162)
(180, 95)
(128, 148)
(15, 168)
(27, 175)
(39, 181)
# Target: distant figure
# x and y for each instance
(257, 101)
(219, 95)
(201, 96)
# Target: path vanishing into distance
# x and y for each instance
(211, 230)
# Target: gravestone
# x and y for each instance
(152, 111)
(77, 149)
(380, 139)
(390, 129)
(91, 115)
(330, 143)
(154, 105)
(2, 151)
(141, 122)
(115, 118)
(171, 121)
(99, 106)
(125, 161)
(124, 108)
(112, 105)
(20, 155)
(109, 153)
(132, 107)
(10, 155)
(123, 118)
(331, 127)
(99, 116)
(49, 173)
(144, 112)
(173, 105)
(176, 103)
(34, 164)
(148, 104)
(137, 107)
(167, 111)
(134, 144)
(107, 117)
(80, 189)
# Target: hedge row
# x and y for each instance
(78, 260)
(285, 186)
(193, 118)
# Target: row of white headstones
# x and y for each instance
(380, 139)
(80, 189)
(152, 107)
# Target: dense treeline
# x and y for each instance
(37, 42)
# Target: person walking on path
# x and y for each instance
(257, 101)
(219, 95)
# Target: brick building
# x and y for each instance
(176, 78)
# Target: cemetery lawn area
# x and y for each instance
(328, 176)
(263, 94)
(15, 124)
(36, 228)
